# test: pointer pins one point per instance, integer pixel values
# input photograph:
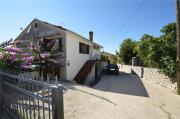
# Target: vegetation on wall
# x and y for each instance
(158, 52)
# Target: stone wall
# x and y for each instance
(151, 74)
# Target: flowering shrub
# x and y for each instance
(13, 57)
(47, 45)
(35, 59)
(10, 49)
(10, 57)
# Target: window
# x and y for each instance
(83, 48)
(47, 45)
(18, 45)
(60, 44)
(22, 44)
(35, 25)
(40, 42)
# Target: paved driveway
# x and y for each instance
(121, 97)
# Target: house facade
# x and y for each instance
(71, 51)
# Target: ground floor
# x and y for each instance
(121, 97)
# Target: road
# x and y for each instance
(121, 97)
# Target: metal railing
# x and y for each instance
(25, 98)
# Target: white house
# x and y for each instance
(74, 53)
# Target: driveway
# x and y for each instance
(121, 97)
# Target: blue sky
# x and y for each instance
(103, 17)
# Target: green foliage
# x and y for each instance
(104, 57)
(159, 52)
(168, 66)
(170, 28)
(113, 60)
(145, 49)
(126, 50)
(10, 59)
(167, 62)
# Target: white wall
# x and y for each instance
(91, 76)
(97, 54)
(76, 59)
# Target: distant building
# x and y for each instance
(109, 56)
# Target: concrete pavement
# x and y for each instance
(121, 97)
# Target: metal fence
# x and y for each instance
(25, 98)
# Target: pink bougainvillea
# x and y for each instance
(14, 57)
(44, 55)
(29, 59)
(12, 49)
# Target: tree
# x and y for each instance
(144, 49)
(126, 50)
(167, 62)
(159, 52)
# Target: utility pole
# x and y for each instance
(178, 44)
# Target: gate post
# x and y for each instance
(57, 102)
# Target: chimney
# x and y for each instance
(91, 36)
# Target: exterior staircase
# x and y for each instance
(84, 71)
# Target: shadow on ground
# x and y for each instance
(125, 83)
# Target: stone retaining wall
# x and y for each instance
(151, 74)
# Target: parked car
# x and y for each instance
(112, 69)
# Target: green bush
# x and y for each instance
(126, 50)
(158, 52)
